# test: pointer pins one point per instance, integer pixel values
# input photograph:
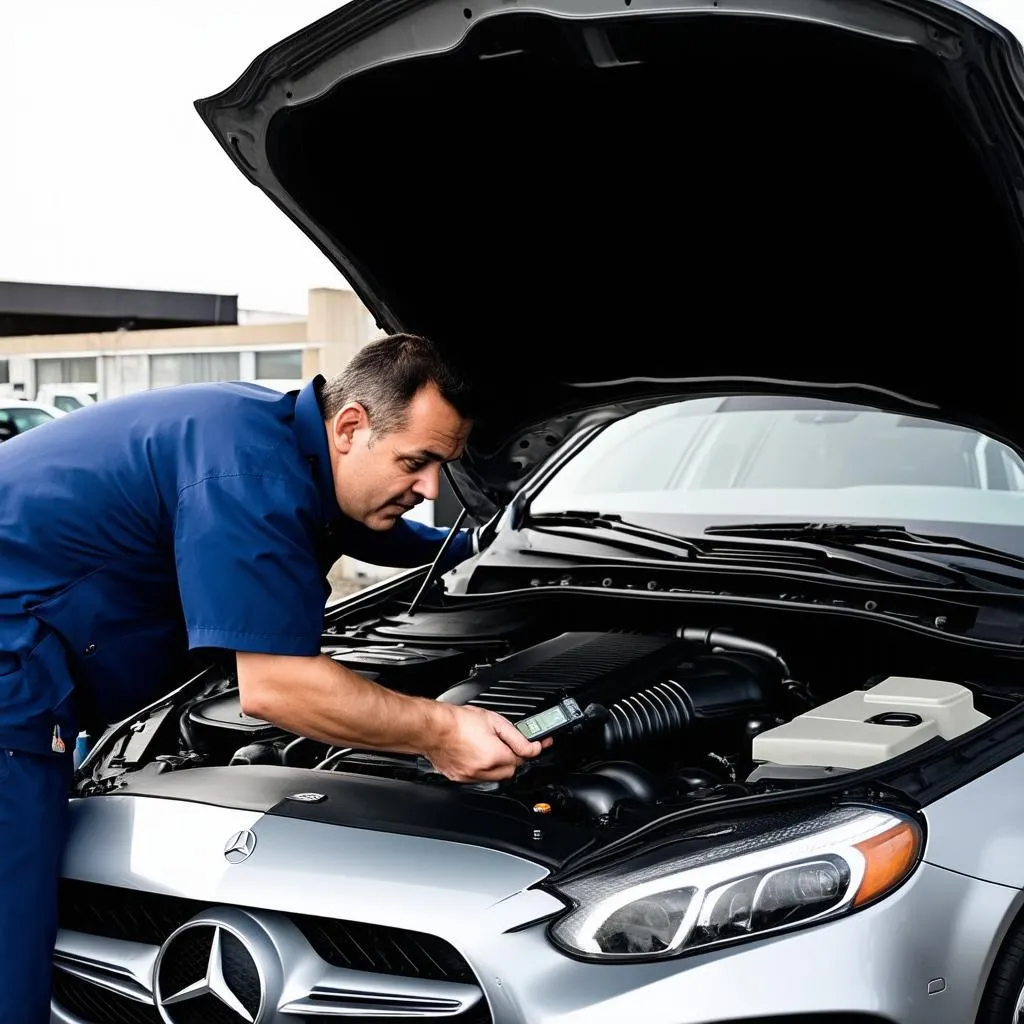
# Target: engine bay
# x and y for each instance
(674, 715)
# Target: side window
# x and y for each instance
(1014, 470)
(284, 365)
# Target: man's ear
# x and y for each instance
(347, 421)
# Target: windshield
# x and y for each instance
(758, 458)
(23, 418)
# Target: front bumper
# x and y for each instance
(919, 957)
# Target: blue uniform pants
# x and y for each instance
(33, 829)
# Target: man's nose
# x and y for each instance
(428, 483)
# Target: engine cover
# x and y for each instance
(602, 664)
(652, 689)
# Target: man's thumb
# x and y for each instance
(515, 740)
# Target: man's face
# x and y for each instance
(378, 479)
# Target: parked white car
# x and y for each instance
(17, 416)
(66, 397)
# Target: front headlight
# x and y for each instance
(768, 876)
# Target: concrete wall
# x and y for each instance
(338, 325)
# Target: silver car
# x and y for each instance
(744, 282)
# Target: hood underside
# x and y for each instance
(584, 202)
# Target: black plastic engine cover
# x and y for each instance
(654, 689)
(600, 666)
(414, 670)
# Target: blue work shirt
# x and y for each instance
(142, 528)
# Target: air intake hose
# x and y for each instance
(648, 715)
(711, 701)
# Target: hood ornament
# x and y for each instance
(240, 846)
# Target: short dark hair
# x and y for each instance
(385, 375)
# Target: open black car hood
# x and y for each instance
(586, 201)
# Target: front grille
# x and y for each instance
(366, 947)
(117, 913)
(97, 1005)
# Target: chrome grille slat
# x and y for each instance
(117, 965)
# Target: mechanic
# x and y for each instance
(140, 530)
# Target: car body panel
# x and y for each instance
(938, 931)
(979, 828)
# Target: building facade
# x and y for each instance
(279, 352)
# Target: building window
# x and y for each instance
(192, 368)
(5, 372)
(79, 370)
(279, 365)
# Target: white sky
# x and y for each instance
(108, 176)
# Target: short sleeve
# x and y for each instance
(246, 563)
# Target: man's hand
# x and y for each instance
(480, 745)
(320, 699)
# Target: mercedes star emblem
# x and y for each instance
(205, 964)
(240, 846)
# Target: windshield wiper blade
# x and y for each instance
(884, 535)
(915, 570)
(614, 522)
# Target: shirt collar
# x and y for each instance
(311, 434)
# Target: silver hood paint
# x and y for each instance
(177, 847)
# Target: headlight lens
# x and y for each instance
(767, 876)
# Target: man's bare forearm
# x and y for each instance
(320, 699)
